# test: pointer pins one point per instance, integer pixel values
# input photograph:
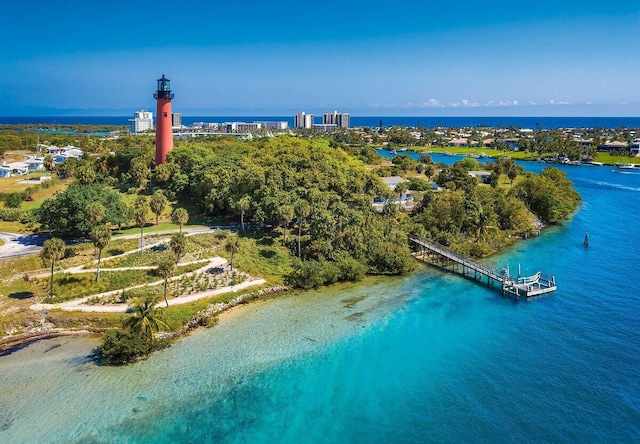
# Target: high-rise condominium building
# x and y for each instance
(303, 120)
(341, 120)
(142, 121)
(176, 119)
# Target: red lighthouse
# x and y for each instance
(164, 133)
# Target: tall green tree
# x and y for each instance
(146, 319)
(232, 247)
(140, 211)
(180, 216)
(178, 245)
(285, 215)
(242, 205)
(166, 269)
(302, 211)
(100, 236)
(68, 210)
(53, 249)
(158, 204)
(139, 172)
(95, 213)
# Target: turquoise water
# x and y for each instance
(424, 358)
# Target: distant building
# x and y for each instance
(176, 119)
(242, 127)
(303, 121)
(325, 127)
(142, 121)
(635, 147)
(612, 146)
(341, 120)
(274, 125)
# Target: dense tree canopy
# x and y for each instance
(273, 180)
(68, 210)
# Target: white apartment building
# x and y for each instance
(303, 121)
(142, 121)
(242, 127)
(274, 125)
(176, 119)
(341, 120)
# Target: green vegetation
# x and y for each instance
(67, 211)
(121, 347)
(303, 210)
(84, 284)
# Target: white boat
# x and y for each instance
(626, 166)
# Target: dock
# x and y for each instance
(443, 257)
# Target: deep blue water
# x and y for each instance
(429, 122)
(428, 357)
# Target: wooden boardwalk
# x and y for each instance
(443, 257)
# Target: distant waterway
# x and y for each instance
(371, 121)
(428, 357)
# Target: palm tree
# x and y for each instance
(180, 216)
(140, 210)
(285, 214)
(178, 245)
(53, 250)
(166, 269)
(146, 319)
(100, 235)
(243, 204)
(158, 203)
(232, 246)
(302, 211)
(401, 188)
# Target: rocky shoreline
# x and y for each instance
(204, 318)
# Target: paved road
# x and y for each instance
(25, 244)
(20, 244)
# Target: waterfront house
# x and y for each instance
(612, 146)
(635, 147)
(461, 141)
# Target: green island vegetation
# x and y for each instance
(304, 211)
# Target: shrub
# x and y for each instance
(14, 200)
(120, 347)
(350, 269)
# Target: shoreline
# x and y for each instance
(11, 344)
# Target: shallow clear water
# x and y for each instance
(424, 358)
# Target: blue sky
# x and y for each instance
(421, 58)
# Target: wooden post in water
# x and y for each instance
(586, 239)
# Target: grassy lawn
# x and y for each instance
(15, 292)
(11, 185)
(262, 254)
(71, 286)
(608, 159)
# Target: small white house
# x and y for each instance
(392, 182)
(635, 147)
(5, 170)
(68, 152)
(484, 176)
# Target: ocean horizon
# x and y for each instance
(371, 121)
